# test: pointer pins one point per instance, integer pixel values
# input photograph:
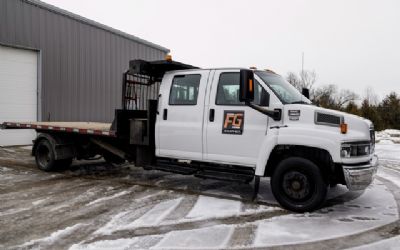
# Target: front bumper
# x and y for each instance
(359, 177)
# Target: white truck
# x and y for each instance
(222, 123)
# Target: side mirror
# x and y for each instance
(246, 89)
(306, 92)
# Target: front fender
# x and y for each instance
(300, 137)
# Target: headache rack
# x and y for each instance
(141, 82)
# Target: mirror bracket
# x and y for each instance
(275, 114)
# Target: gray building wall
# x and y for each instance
(82, 61)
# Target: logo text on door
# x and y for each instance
(233, 122)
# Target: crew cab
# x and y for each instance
(223, 123)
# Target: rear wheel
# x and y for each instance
(45, 158)
(298, 185)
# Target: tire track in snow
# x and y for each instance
(163, 229)
(380, 233)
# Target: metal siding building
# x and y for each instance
(80, 62)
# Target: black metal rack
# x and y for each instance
(141, 82)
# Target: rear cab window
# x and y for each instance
(184, 89)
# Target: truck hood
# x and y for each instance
(358, 127)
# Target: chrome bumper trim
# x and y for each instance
(359, 177)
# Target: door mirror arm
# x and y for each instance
(275, 114)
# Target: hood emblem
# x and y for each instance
(294, 115)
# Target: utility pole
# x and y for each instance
(302, 68)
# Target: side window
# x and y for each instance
(184, 90)
(228, 90)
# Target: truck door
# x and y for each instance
(234, 132)
(180, 120)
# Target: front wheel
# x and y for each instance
(298, 185)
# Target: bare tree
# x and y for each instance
(308, 79)
(293, 79)
(344, 97)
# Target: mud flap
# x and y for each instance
(256, 187)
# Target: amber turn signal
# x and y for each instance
(250, 85)
(343, 128)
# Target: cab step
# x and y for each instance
(205, 170)
(224, 176)
(173, 167)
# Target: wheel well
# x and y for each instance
(63, 146)
(319, 157)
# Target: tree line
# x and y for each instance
(385, 113)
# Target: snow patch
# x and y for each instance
(108, 198)
(38, 202)
(119, 244)
(127, 219)
(388, 151)
(388, 136)
(215, 237)
(388, 244)
(155, 215)
(389, 177)
(374, 208)
(53, 237)
(209, 207)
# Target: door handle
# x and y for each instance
(165, 114)
(212, 114)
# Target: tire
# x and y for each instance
(45, 158)
(298, 185)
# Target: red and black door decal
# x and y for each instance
(233, 122)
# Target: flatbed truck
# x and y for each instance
(231, 124)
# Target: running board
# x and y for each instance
(167, 166)
(224, 176)
(205, 171)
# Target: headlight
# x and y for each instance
(355, 149)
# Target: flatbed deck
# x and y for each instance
(96, 128)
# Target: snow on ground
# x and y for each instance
(388, 136)
(376, 207)
(388, 244)
(51, 238)
(387, 147)
(155, 215)
(215, 237)
(207, 207)
(388, 151)
(108, 198)
(107, 214)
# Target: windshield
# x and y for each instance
(282, 89)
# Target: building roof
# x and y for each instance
(81, 19)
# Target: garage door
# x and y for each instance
(18, 93)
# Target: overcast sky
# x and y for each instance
(351, 43)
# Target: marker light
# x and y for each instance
(168, 58)
(343, 128)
